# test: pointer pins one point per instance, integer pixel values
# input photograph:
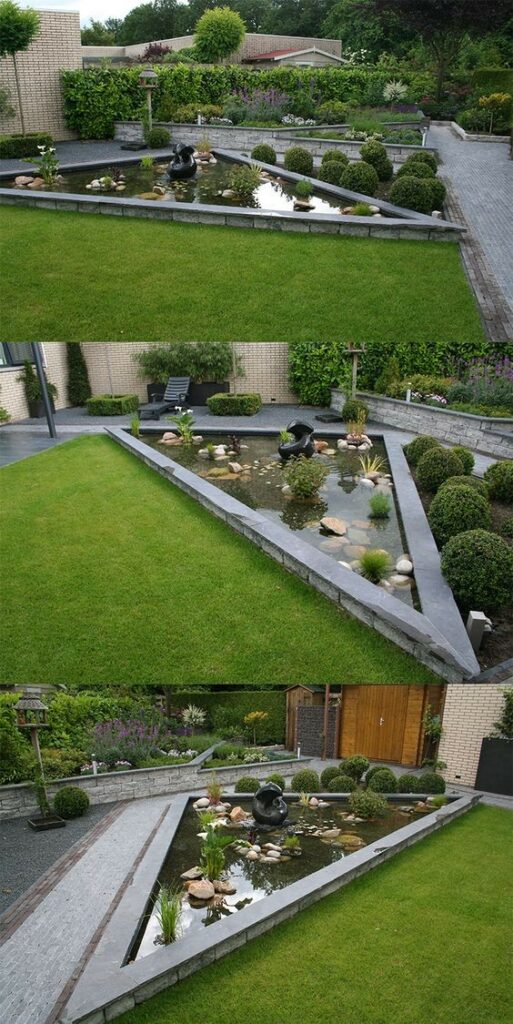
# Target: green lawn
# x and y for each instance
(71, 277)
(110, 574)
(424, 939)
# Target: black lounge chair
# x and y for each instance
(177, 389)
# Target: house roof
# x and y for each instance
(277, 55)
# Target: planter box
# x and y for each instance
(198, 393)
(155, 391)
(338, 399)
(495, 769)
(43, 824)
(37, 409)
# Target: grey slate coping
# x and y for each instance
(367, 602)
(107, 988)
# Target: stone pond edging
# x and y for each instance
(415, 632)
(491, 436)
(109, 986)
(18, 799)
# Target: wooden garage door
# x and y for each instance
(382, 722)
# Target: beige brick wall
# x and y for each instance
(469, 714)
(266, 366)
(56, 47)
(254, 44)
(12, 395)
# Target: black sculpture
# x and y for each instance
(269, 807)
(183, 164)
(301, 445)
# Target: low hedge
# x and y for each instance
(112, 405)
(243, 404)
(13, 146)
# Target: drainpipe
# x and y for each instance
(38, 361)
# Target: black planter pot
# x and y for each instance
(37, 409)
(155, 392)
(41, 823)
(495, 771)
(198, 393)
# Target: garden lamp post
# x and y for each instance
(354, 353)
(148, 80)
(43, 387)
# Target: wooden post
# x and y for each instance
(326, 720)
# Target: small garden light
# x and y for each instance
(148, 80)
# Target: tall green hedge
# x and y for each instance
(236, 704)
(317, 366)
(488, 80)
(95, 98)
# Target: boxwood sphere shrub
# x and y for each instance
(499, 477)
(438, 193)
(330, 773)
(360, 177)
(466, 457)
(366, 804)
(305, 781)
(507, 528)
(158, 137)
(331, 171)
(247, 784)
(437, 465)
(353, 410)
(264, 152)
(372, 771)
(298, 160)
(407, 783)
(466, 481)
(355, 766)
(342, 784)
(278, 779)
(430, 782)
(423, 157)
(375, 154)
(412, 194)
(417, 170)
(456, 509)
(478, 567)
(330, 155)
(71, 802)
(383, 781)
(418, 446)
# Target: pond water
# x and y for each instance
(342, 496)
(206, 187)
(256, 879)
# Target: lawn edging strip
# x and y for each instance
(109, 986)
(411, 630)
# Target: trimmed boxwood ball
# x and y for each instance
(331, 171)
(408, 783)
(342, 784)
(430, 782)
(418, 446)
(412, 194)
(466, 481)
(383, 781)
(423, 157)
(264, 152)
(456, 509)
(375, 154)
(334, 154)
(366, 804)
(499, 478)
(438, 193)
(372, 771)
(437, 465)
(360, 177)
(305, 781)
(279, 780)
(417, 170)
(355, 766)
(247, 784)
(71, 802)
(330, 773)
(158, 137)
(478, 567)
(298, 160)
(466, 457)
(353, 409)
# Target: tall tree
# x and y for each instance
(79, 388)
(97, 34)
(149, 21)
(218, 34)
(443, 25)
(17, 30)
(298, 17)
(360, 28)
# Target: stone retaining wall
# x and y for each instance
(481, 433)
(243, 139)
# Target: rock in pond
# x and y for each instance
(192, 875)
(201, 890)
(351, 842)
(398, 580)
(404, 566)
(226, 888)
(202, 803)
(238, 814)
(235, 467)
(23, 179)
(332, 525)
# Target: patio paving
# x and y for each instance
(78, 153)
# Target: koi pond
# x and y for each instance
(210, 185)
(259, 859)
(344, 497)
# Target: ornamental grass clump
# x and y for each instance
(305, 476)
(478, 567)
(212, 858)
(244, 180)
(379, 506)
(168, 906)
(375, 564)
(456, 509)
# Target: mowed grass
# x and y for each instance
(109, 574)
(71, 277)
(424, 939)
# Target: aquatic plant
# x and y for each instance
(371, 464)
(146, 163)
(212, 858)
(169, 910)
(214, 790)
(379, 506)
(374, 565)
(185, 422)
(135, 426)
(305, 476)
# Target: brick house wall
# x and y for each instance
(469, 714)
(254, 44)
(12, 395)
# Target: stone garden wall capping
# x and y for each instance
(492, 436)
(412, 630)
(18, 799)
(106, 989)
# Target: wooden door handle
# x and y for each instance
(381, 721)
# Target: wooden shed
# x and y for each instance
(298, 696)
(386, 723)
